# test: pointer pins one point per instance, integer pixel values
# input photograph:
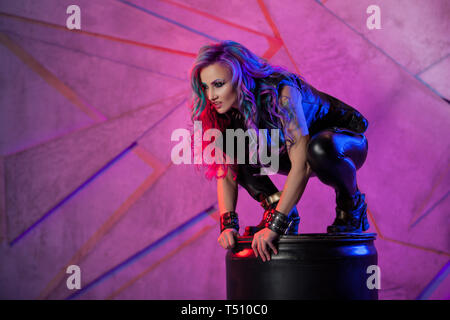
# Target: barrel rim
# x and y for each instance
(314, 237)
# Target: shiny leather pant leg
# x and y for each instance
(335, 155)
(260, 187)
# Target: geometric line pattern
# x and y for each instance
(198, 235)
(430, 209)
(68, 93)
(50, 78)
(417, 212)
(404, 243)
(72, 194)
(94, 55)
(168, 20)
(89, 245)
(99, 35)
(153, 266)
(143, 252)
(274, 44)
(402, 67)
(415, 246)
(435, 282)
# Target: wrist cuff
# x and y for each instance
(277, 222)
(229, 220)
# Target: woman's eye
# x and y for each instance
(219, 84)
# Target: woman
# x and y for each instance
(320, 136)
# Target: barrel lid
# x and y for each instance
(314, 237)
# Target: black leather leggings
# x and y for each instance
(334, 156)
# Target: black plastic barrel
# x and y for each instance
(308, 266)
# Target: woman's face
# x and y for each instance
(216, 81)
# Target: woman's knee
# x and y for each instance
(329, 147)
(321, 147)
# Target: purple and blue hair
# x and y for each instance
(257, 99)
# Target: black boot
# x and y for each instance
(269, 203)
(351, 220)
(294, 221)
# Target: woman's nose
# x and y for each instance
(212, 95)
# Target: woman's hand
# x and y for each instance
(261, 240)
(227, 238)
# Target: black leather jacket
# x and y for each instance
(321, 110)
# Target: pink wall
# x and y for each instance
(86, 118)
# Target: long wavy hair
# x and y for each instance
(257, 97)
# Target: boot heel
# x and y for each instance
(365, 221)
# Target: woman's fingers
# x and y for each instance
(260, 245)
(221, 241)
(265, 250)
(272, 246)
(230, 240)
(226, 239)
(255, 247)
(261, 249)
